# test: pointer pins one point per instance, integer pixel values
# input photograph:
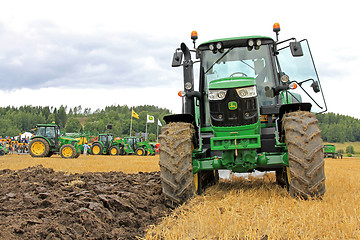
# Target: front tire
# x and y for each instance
(114, 150)
(96, 149)
(176, 171)
(140, 151)
(305, 154)
(67, 151)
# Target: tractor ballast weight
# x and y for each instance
(48, 140)
(252, 112)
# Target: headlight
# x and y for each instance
(211, 47)
(284, 78)
(217, 94)
(258, 42)
(251, 43)
(188, 85)
(247, 92)
(219, 45)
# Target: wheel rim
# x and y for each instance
(139, 152)
(67, 152)
(96, 149)
(38, 148)
(196, 181)
(113, 151)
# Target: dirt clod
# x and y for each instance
(39, 203)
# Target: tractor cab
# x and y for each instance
(106, 139)
(50, 132)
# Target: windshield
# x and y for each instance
(240, 62)
(302, 70)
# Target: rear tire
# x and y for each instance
(305, 154)
(176, 170)
(67, 151)
(205, 179)
(2, 152)
(282, 177)
(39, 147)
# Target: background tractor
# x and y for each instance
(253, 111)
(48, 141)
(140, 147)
(329, 151)
(107, 145)
(3, 149)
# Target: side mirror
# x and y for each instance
(177, 59)
(296, 49)
(315, 87)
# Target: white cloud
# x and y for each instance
(125, 48)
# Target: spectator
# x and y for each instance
(85, 148)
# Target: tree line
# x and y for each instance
(337, 128)
(15, 120)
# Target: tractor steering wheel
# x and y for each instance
(243, 74)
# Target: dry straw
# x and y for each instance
(259, 209)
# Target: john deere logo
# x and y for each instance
(232, 105)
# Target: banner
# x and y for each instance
(159, 123)
(150, 119)
(135, 115)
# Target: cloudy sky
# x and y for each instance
(99, 53)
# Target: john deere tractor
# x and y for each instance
(141, 148)
(107, 145)
(48, 141)
(253, 110)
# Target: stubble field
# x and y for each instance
(254, 208)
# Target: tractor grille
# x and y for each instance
(245, 113)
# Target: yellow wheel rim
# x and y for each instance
(196, 181)
(113, 151)
(139, 152)
(96, 150)
(67, 152)
(288, 174)
(38, 148)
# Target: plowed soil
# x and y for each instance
(40, 203)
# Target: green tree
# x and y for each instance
(73, 125)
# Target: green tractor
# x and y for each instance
(253, 111)
(141, 148)
(48, 141)
(3, 150)
(329, 151)
(107, 145)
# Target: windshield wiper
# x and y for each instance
(217, 61)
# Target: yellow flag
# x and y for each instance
(135, 115)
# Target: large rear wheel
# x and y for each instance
(39, 147)
(205, 179)
(305, 154)
(176, 171)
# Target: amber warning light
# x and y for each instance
(276, 29)
(194, 36)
